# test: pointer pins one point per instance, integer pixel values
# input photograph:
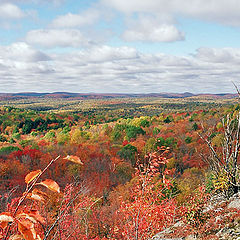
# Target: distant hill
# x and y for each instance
(5, 96)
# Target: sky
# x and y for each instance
(119, 46)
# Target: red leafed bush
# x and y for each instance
(148, 210)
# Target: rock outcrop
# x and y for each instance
(223, 222)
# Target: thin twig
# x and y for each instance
(28, 189)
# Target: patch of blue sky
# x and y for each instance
(197, 34)
(208, 34)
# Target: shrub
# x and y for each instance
(16, 135)
(128, 153)
(7, 150)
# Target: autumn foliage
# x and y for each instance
(150, 206)
(120, 175)
(23, 220)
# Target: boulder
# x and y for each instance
(234, 201)
(162, 235)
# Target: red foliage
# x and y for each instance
(125, 142)
(148, 210)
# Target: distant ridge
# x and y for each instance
(5, 96)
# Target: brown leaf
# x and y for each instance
(5, 218)
(51, 185)
(38, 192)
(3, 225)
(16, 237)
(74, 159)
(26, 228)
(37, 195)
(25, 216)
(32, 175)
(35, 214)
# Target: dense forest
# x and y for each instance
(116, 169)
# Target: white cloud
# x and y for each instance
(76, 20)
(222, 11)
(122, 69)
(10, 11)
(21, 67)
(107, 53)
(223, 55)
(133, 5)
(51, 38)
(163, 33)
(150, 29)
(22, 52)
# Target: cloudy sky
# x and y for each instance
(119, 46)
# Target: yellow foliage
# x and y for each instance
(150, 144)
(171, 163)
(62, 138)
(76, 137)
(217, 140)
(137, 121)
(190, 180)
(219, 125)
(9, 130)
(221, 182)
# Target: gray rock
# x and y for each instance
(168, 238)
(235, 196)
(217, 203)
(191, 237)
(235, 203)
(161, 235)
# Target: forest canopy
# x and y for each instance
(119, 170)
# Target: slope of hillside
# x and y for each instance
(109, 95)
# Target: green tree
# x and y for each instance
(128, 153)
(133, 131)
(188, 139)
(168, 119)
(195, 127)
